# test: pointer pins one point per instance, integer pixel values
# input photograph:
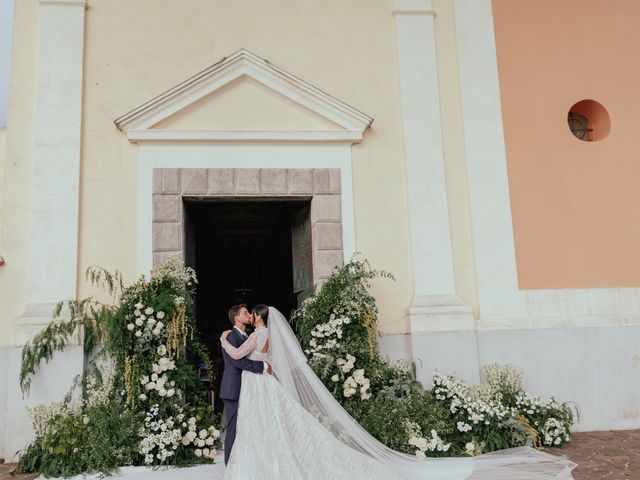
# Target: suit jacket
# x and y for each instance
(232, 374)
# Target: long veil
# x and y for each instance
(298, 379)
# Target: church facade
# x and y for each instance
(475, 149)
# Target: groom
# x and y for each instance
(239, 317)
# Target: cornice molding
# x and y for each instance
(64, 3)
(138, 123)
(414, 12)
(253, 136)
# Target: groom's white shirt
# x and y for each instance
(244, 335)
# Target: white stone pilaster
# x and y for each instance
(53, 254)
(435, 305)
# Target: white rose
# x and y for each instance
(335, 378)
(159, 325)
(144, 380)
(185, 441)
(142, 396)
(162, 392)
(160, 315)
(422, 443)
(148, 310)
(200, 443)
(198, 452)
(191, 436)
(203, 433)
(162, 350)
(171, 392)
(138, 305)
(150, 385)
(139, 322)
(154, 377)
(85, 420)
(209, 441)
(138, 333)
(130, 327)
(137, 313)
(205, 452)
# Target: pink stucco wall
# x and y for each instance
(575, 204)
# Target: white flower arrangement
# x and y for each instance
(160, 437)
(204, 440)
(422, 444)
(351, 383)
(326, 337)
(554, 432)
(346, 364)
(473, 448)
(160, 384)
(41, 416)
(146, 326)
(474, 404)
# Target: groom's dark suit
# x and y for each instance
(230, 387)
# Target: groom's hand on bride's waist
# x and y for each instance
(269, 370)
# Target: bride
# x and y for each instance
(291, 427)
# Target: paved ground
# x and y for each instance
(599, 455)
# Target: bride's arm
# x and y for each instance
(243, 350)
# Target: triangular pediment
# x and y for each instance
(244, 98)
(244, 105)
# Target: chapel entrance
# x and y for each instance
(246, 251)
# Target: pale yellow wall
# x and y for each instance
(136, 50)
(14, 222)
(455, 162)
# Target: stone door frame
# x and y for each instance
(321, 185)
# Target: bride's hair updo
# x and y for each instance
(263, 311)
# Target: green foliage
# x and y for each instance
(140, 374)
(337, 330)
(103, 438)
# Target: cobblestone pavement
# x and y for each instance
(599, 455)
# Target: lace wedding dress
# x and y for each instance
(290, 427)
(276, 438)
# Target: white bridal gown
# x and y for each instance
(276, 438)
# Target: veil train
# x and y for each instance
(298, 379)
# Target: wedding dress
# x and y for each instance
(276, 438)
(290, 427)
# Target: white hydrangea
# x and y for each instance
(356, 381)
(203, 439)
(554, 432)
(423, 444)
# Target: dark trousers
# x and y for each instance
(231, 415)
